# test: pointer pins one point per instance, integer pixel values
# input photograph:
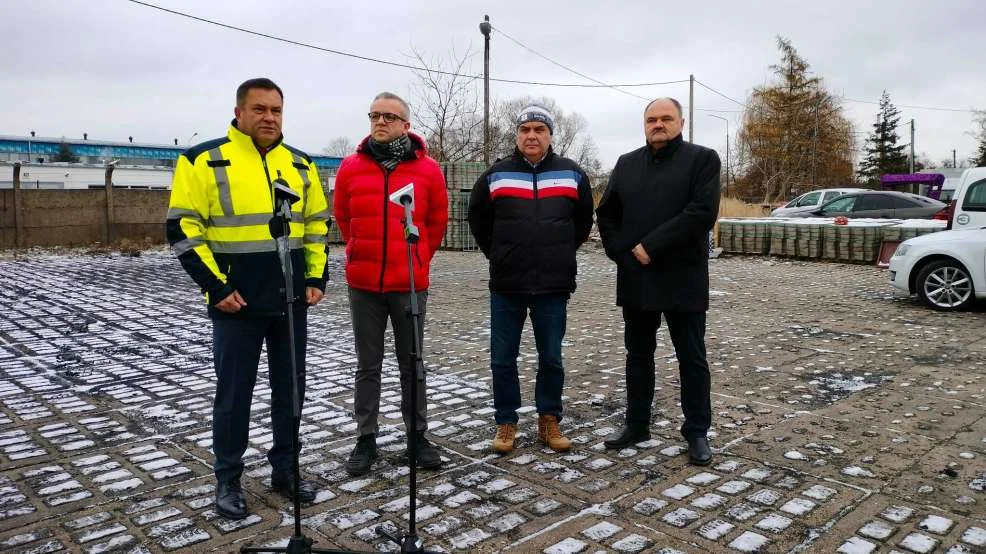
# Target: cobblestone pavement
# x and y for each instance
(847, 419)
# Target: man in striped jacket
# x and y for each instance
(529, 213)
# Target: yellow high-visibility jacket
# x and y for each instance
(218, 222)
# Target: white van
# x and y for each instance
(969, 202)
(809, 202)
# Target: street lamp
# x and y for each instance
(195, 134)
(727, 149)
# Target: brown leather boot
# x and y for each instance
(550, 434)
(503, 443)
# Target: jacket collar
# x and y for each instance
(519, 156)
(668, 150)
(246, 141)
(420, 148)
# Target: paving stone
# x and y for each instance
(649, 506)
(976, 536)
(680, 517)
(567, 546)
(916, 542)
(678, 492)
(709, 501)
(749, 542)
(631, 544)
(775, 523)
(877, 529)
(897, 514)
(798, 506)
(936, 524)
(856, 545)
(715, 529)
(506, 522)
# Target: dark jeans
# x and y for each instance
(236, 346)
(370, 312)
(548, 316)
(687, 330)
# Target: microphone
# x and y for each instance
(404, 197)
(284, 196)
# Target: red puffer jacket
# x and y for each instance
(376, 253)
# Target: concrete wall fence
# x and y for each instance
(77, 217)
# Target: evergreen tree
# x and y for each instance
(65, 154)
(883, 154)
(794, 134)
(979, 158)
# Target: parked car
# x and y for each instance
(968, 207)
(947, 270)
(877, 204)
(810, 201)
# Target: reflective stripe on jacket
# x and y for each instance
(218, 218)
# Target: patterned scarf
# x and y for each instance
(389, 154)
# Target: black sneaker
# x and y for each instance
(428, 455)
(362, 456)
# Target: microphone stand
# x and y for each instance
(280, 228)
(410, 542)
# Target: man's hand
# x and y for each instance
(641, 254)
(232, 303)
(313, 295)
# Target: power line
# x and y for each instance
(380, 61)
(721, 94)
(566, 68)
(939, 109)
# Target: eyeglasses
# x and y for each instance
(387, 116)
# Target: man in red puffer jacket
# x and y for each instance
(376, 263)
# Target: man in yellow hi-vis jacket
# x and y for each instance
(221, 203)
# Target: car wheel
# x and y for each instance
(945, 285)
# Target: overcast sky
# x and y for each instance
(114, 69)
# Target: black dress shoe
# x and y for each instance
(699, 452)
(627, 437)
(362, 455)
(428, 455)
(284, 484)
(229, 500)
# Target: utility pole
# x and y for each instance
(954, 164)
(912, 146)
(485, 28)
(814, 143)
(691, 108)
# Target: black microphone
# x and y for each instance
(284, 196)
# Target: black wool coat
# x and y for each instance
(667, 201)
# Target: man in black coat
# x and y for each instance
(529, 213)
(661, 202)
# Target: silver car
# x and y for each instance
(810, 201)
(880, 204)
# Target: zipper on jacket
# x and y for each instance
(386, 200)
(270, 186)
(537, 230)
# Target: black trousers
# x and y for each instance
(236, 346)
(687, 330)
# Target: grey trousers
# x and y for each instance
(370, 312)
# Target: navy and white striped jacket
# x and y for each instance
(529, 221)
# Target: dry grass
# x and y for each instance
(731, 207)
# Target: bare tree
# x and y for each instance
(445, 107)
(339, 147)
(570, 138)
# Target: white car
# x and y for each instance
(809, 202)
(947, 270)
(969, 203)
